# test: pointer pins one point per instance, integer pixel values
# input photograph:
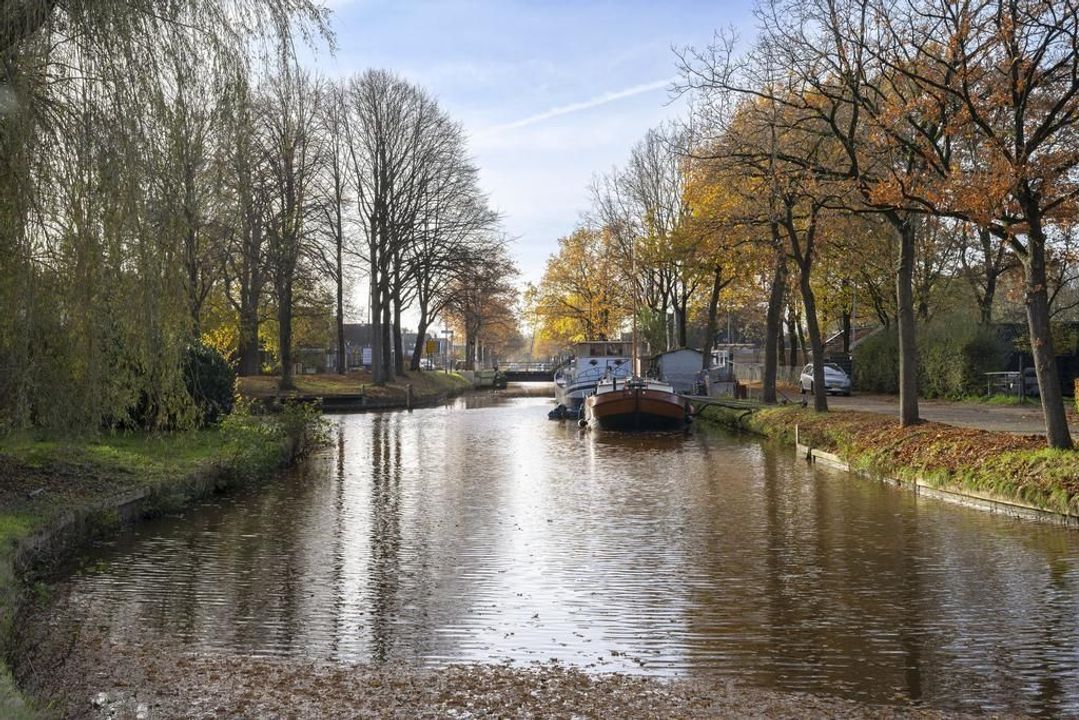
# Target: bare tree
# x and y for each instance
(334, 204)
(245, 192)
(294, 151)
(454, 226)
(482, 298)
(643, 206)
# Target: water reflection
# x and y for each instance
(483, 532)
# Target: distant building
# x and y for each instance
(359, 339)
(308, 361)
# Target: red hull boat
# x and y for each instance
(636, 405)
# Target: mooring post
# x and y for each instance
(408, 396)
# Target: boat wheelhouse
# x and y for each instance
(589, 363)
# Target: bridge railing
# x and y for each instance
(533, 367)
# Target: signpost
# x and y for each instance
(430, 347)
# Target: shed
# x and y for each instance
(679, 368)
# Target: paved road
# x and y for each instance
(1025, 419)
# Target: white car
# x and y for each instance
(835, 380)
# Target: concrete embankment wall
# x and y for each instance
(737, 419)
(362, 402)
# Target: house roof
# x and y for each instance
(677, 350)
(857, 335)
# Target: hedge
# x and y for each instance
(954, 353)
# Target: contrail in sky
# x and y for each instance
(584, 105)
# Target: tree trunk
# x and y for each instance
(711, 326)
(387, 340)
(342, 361)
(248, 349)
(682, 334)
(191, 263)
(992, 272)
(421, 340)
(668, 329)
(398, 343)
(923, 311)
(802, 248)
(846, 322)
(908, 348)
(1041, 337)
(801, 338)
(378, 374)
(774, 323)
(470, 350)
(284, 343)
(816, 341)
(781, 345)
(985, 302)
(792, 336)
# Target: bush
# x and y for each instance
(210, 381)
(954, 353)
(876, 362)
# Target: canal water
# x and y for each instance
(482, 532)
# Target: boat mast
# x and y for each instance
(635, 370)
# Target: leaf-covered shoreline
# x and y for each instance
(1013, 467)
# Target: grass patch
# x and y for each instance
(1012, 467)
(14, 526)
(12, 705)
(127, 451)
(999, 399)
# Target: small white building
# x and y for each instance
(680, 368)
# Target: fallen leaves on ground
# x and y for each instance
(1018, 465)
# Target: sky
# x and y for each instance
(550, 93)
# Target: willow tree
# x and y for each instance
(103, 299)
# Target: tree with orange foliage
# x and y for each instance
(730, 226)
(581, 295)
(1009, 73)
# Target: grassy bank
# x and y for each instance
(1004, 466)
(427, 386)
(56, 491)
